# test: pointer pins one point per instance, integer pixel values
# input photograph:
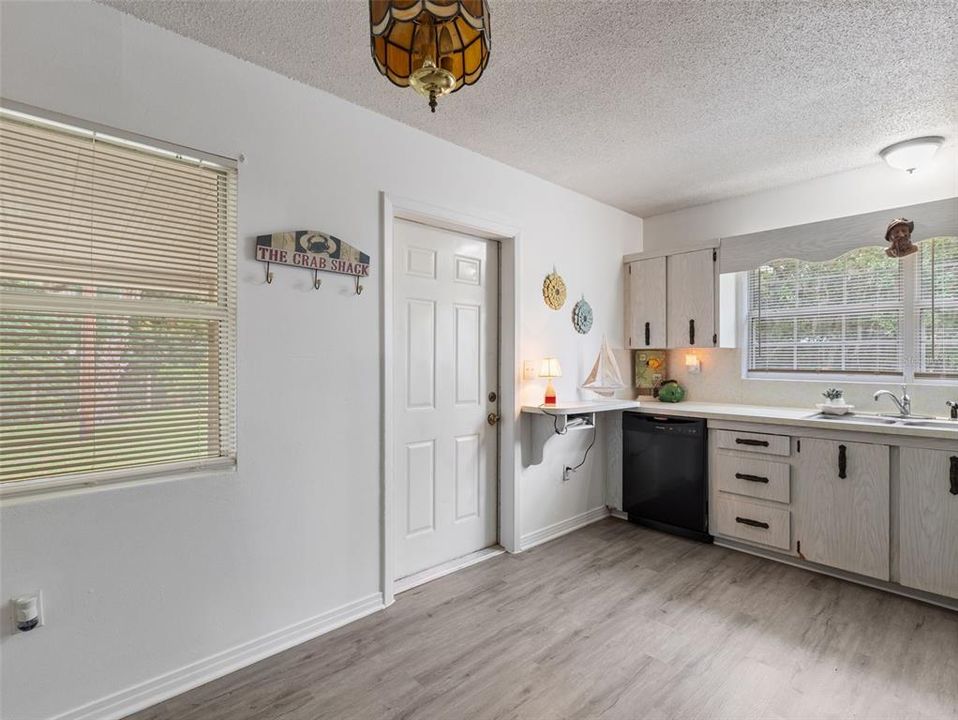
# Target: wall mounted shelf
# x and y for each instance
(561, 418)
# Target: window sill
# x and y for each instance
(84, 482)
(931, 381)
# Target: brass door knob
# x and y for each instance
(492, 418)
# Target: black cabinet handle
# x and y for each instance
(749, 441)
(648, 333)
(842, 462)
(752, 478)
(691, 332)
(953, 476)
(751, 523)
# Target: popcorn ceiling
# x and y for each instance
(647, 106)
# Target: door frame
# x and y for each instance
(398, 208)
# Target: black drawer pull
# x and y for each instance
(749, 441)
(691, 332)
(751, 523)
(842, 462)
(751, 478)
(648, 333)
(954, 475)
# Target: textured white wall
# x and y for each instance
(143, 580)
(867, 189)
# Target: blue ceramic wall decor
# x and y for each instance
(582, 317)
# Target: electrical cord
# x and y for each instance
(555, 421)
(555, 427)
(586, 456)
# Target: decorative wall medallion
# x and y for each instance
(582, 317)
(553, 290)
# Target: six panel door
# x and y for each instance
(445, 386)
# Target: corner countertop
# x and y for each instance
(803, 417)
(581, 407)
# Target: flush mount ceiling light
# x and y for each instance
(910, 154)
(435, 46)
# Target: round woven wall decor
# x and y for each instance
(553, 290)
(582, 317)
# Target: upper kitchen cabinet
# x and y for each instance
(672, 300)
(691, 299)
(646, 315)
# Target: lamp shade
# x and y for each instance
(451, 35)
(550, 368)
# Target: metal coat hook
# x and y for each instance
(316, 280)
(269, 275)
(359, 288)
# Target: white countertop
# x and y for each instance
(771, 415)
(581, 406)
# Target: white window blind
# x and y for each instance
(936, 308)
(117, 304)
(838, 316)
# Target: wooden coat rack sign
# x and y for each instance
(314, 251)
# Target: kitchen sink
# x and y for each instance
(880, 420)
(929, 422)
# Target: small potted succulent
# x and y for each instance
(834, 396)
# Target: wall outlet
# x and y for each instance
(28, 612)
(528, 369)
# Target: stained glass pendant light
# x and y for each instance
(435, 46)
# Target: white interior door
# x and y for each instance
(446, 384)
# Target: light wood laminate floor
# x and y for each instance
(612, 621)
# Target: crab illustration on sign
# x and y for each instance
(312, 250)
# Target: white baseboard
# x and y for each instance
(178, 681)
(550, 532)
(434, 573)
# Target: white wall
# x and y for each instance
(867, 189)
(144, 580)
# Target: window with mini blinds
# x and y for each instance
(862, 313)
(117, 305)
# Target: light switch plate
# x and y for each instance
(529, 370)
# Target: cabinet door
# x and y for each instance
(928, 513)
(647, 303)
(840, 503)
(691, 299)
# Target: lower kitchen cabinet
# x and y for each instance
(840, 505)
(928, 520)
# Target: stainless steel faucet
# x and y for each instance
(904, 404)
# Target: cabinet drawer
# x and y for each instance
(750, 521)
(754, 442)
(755, 477)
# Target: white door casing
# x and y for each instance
(445, 340)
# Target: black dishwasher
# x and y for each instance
(664, 482)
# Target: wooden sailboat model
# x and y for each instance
(605, 377)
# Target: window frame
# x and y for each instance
(907, 337)
(225, 311)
